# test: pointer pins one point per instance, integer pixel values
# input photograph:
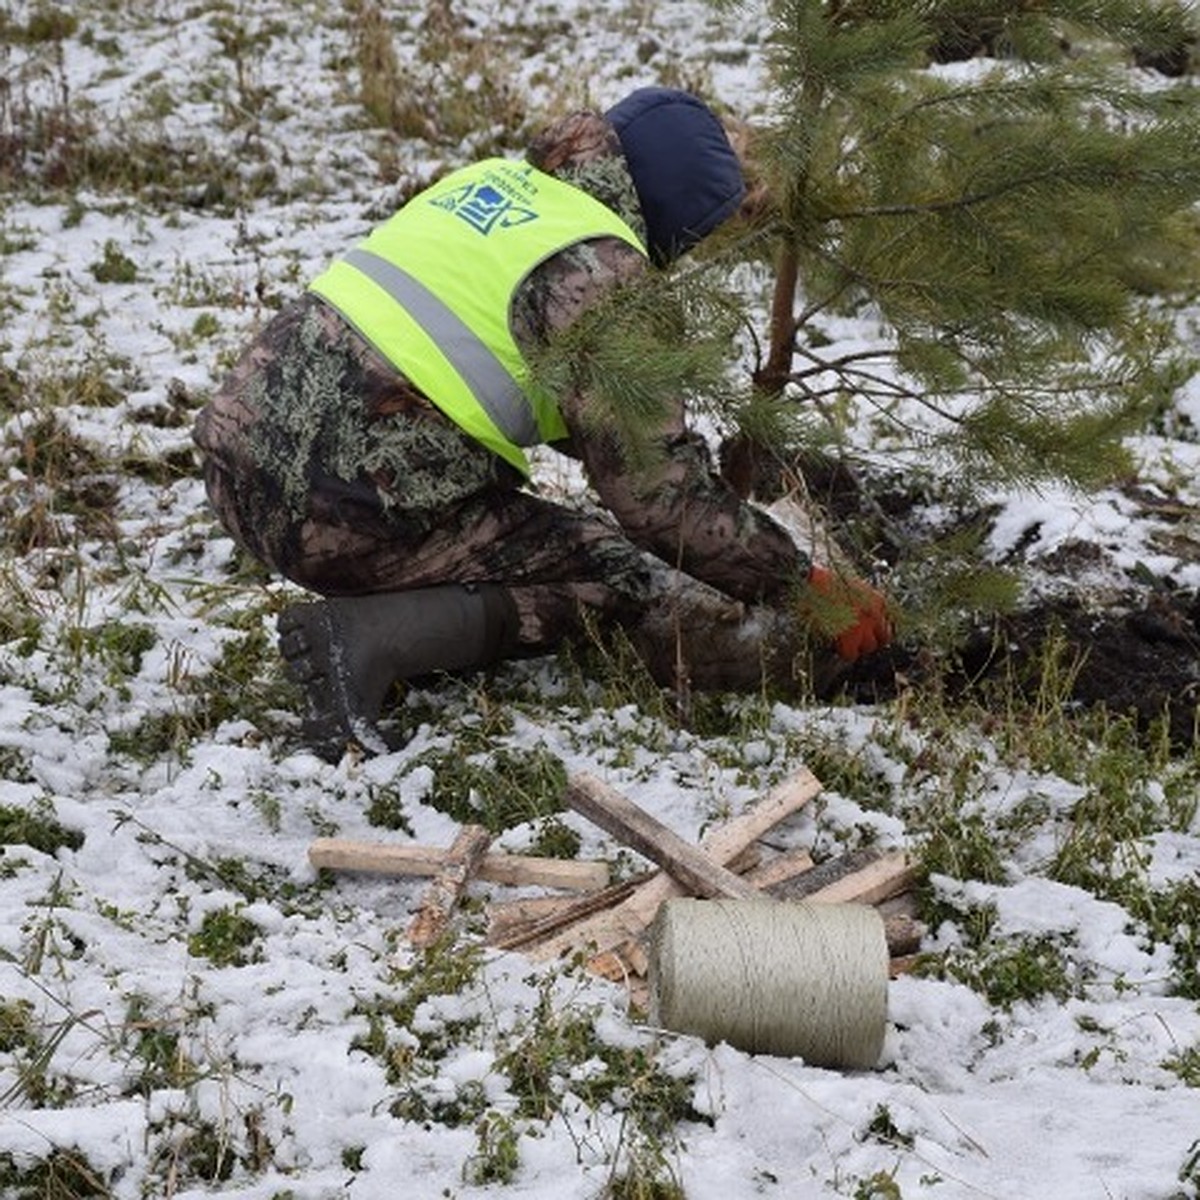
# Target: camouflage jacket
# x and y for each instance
(313, 418)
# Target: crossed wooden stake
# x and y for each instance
(608, 921)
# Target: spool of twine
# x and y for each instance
(772, 977)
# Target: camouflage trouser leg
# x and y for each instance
(565, 569)
(562, 566)
(328, 468)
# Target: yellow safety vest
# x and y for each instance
(432, 286)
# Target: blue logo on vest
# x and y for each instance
(484, 208)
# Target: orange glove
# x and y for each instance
(852, 612)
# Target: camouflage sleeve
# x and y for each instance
(681, 509)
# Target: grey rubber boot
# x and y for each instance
(346, 652)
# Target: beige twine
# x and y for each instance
(772, 977)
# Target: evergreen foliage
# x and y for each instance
(669, 335)
(1018, 228)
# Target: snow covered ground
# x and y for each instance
(186, 1008)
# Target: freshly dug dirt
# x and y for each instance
(1130, 643)
(1142, 660)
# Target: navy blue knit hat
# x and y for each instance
(687, 176)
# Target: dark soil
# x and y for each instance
(1131, 646)
(1141, 662)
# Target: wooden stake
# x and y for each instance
(515, 870)
(515, 935)
(886, 876)
(780, 869)
(508, 917)
(608, 930)
(824, 874)
(448, 885)
(688, 864)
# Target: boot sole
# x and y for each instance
(307, 640)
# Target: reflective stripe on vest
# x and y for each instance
(431, 290)
(471, 357)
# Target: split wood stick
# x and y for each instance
(780, 869)
(515, 870)
(618, 815)
(728, 840)
(889, 874)
(539, 928)
(507, 916)
(448, 885)
(823, 875)
(608, 930)
(902, 934)
(748, 860)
